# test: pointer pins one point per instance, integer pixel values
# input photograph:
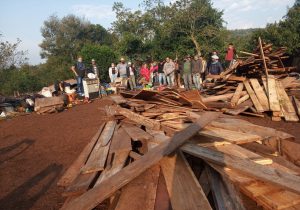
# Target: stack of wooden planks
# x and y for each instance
(262, 86)
(157, 151)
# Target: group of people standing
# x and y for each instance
(192, 71)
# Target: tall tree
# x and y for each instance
(10, 56)
(66, 36)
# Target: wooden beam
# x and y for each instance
(221, 97)
(97, 159)
(142, 189)
(98, 194)
(270, 175)
(74, 170)
(237, 94)
(261, 95)
(152, 124)
(189, 195)
(253, 97)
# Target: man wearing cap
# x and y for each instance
(169, 68)
(196, 72)
(79, 70)
(187, 73)
(131, 76)
(215, 67)
(122, 69)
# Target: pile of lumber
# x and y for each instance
(263, 86)
(152, 153)
(49, 105)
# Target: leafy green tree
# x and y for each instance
(65, 37)
(104, 56)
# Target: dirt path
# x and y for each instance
(35, 151)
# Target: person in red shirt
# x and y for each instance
(230, 55)
(145, 72)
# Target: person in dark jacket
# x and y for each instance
(80, 72)
(187, 73)
(215, 67)
(196, 71)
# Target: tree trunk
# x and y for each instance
(197, 45)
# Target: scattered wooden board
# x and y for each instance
(261, 95)
(96, 195)
(187, 196)
(253, 97)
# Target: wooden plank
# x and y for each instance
(243, 99)
(237, 94)
(233, 137)
(296, 105)
(220, 194)
(183, 187)
(261, 95)
(121, 141)
(80, 185)
(263, 56)
(74, 170)
(285, 104)
(280, 200)
(241, 152)
(98, 194)
(221, 97)
(272, 94)
(136, 133)
(97, 159)
(142, 190)
(253, 97)
(270, 175)
(235, 111)
(152, 124)
(247, 127)
(163, 201)
(234, 194)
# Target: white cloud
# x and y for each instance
(252, 13)
(98, 12)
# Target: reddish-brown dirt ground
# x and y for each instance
(35, 150)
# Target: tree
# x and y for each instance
(65, 37)
(10, 56)
(284, 33)
(104, 56)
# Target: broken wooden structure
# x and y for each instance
(163, 151)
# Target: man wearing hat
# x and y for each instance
(215, 67)
(122, 69)
(187, 73)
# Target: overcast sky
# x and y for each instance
(23, 19)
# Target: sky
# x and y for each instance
(24, 19)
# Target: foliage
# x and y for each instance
(284, 33)
(10, 56)
(66, 37)
(104, 56)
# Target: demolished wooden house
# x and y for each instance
(257, 84)
(166, 150)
